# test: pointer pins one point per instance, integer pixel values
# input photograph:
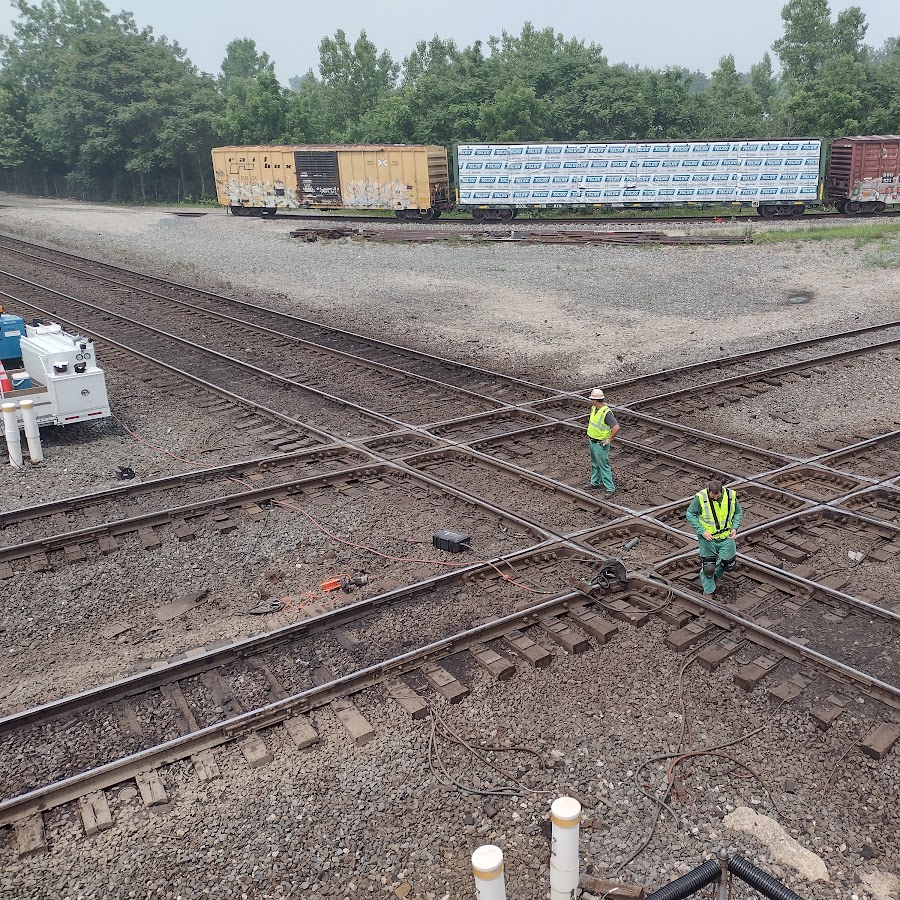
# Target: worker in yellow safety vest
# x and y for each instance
(715, 515)
(602, 428)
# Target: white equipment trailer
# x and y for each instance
(63, 380)
(778, 177)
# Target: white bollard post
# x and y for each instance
(32, 432)
(11, 430)
(565, 814)
(487, 867)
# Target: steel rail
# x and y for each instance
(251, 405)
(690, 431)
(728, 217)
(322, 623)
(212, 736)
(803, 585)
(723, 617)
(269, 464)
(343, 333)
(113, 773)
(49, 543)
(730, 360)
(734, 380)
(251, 326)
(200, 348)
(742, 357)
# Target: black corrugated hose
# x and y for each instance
(690, 883)
(756, 878)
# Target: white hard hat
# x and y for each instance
(596, 394)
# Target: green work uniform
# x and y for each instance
(721, 548)
(600, 426)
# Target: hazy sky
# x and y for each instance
(692, 33)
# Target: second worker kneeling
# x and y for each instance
(715, 515)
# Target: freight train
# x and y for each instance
(860, 175)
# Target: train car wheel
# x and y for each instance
(840, 205)
(400, 213)
(767, 210)
(426, 215)
(798, 210)
(478, 215)
(437, 214)
(237, 210)
(270, 211)
(852, 207)
(506, 214)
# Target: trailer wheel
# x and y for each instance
(507, 214)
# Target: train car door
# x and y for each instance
(317, 177)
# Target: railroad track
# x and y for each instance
(198, 486)
(502, 465)
(730, 388)
(233, 693)
(502, 388)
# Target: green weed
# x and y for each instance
(887, 256)
(859, 234)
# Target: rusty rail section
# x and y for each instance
(513, 235)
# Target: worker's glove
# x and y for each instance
(605, 443)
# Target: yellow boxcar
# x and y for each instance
(413, 181)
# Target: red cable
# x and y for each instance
(192, 462)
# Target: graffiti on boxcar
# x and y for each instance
(262, 194)
(378, 194)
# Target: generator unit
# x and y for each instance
(59, 374)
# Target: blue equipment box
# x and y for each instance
(11, 329)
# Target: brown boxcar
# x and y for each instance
(864, 173)
(413, 181)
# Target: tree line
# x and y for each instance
(114, 111)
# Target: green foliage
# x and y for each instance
(730, 109)
(860, 234)
(86, 94)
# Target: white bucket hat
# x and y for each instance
(596, 394)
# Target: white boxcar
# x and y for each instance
(777, 176)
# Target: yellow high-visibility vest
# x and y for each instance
(716, 516)
(596, 427)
